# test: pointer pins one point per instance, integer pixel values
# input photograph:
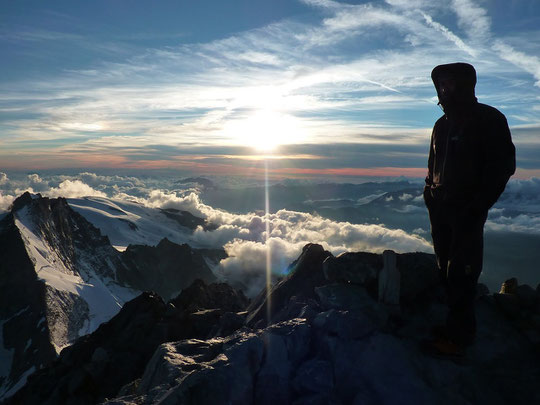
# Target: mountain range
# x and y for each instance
(60, 277)
(95, 303)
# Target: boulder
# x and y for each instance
(509, 286)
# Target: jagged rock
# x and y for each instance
(353, 267)
(481, 290)
(228, 366)
(420, 280)
(344, 324)
(389, 282)
(508, 303)
(526, 295)
(115, 355)
(353, 298)
(200, 295)
(185, 218)
(345, 350)
(315, 376)
(174, 267)
(509, 286)
(305, 273)
(81, 373)
(286, 345)
(25, 199)
(60, 278)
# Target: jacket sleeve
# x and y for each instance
(428, 199)
(499, 162)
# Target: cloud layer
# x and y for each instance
(249, 237)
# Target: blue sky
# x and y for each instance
(322, 88)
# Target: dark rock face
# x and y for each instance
(99, 364)
(328, 341)
(184, 218)
(306, 273)
(214, 296)
(320, 336)
(43, 239)
(166, 268)
(22, 313)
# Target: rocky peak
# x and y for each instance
(60, 278)
(99, 364)
(21, 201)
(174, 267)
(199, 296)
(324, 334)
(331, 338)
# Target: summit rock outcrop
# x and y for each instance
(324, 334)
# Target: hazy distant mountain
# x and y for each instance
(512, 233)
(200, 181)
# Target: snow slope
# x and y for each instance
(102, 295)
(128, 223)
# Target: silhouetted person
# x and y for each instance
(470, 161)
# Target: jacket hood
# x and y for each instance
(465, 77)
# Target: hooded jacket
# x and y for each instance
(471, 156)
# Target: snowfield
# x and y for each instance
(128, 223)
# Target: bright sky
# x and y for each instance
(212, 86)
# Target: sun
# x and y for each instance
(266, 130)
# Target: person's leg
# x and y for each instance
(441, 235)
(464, 268)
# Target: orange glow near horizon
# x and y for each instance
(198, 164)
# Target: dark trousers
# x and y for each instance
(458, 240)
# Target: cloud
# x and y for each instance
(244, 239)
(528, 224)
(473, 19)
(326, 79)
(3, 178)
(73, 189)
(529, 63)
(247, 242)
(450, 35)
(248, 237)
(5, 201)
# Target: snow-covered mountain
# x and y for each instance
(129, 223)
(60, 278)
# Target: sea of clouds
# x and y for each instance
(249, 237)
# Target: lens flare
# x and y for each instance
(268, 252)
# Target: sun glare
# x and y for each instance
(265, 130)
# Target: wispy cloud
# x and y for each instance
(473, 19)
(450, 35)
(529, 63)
(355, 73)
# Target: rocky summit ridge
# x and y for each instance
(336, 330)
